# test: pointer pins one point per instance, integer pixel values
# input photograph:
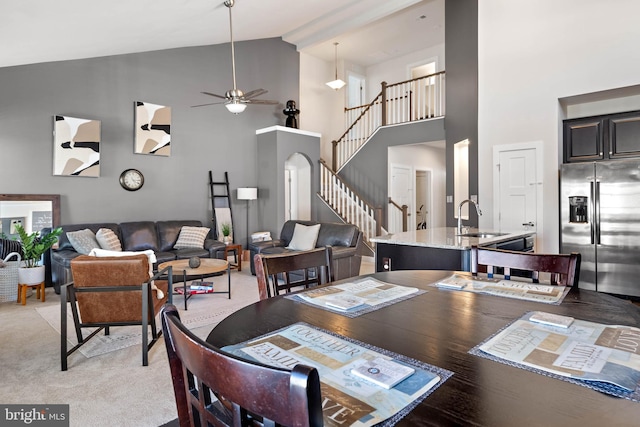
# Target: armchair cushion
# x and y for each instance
(304, 237)
(191, 237)
(83, 241)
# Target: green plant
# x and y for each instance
(34, 245)
(226, 229)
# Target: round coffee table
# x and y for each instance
(208, 267)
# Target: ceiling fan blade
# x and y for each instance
(254, 93)
(204, 105)
(213, 94)
(263, 101)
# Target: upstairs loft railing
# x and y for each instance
(411, 100)
(349, 205)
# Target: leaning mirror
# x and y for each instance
(33, 211)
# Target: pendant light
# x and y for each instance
(337, 83)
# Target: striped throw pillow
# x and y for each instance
(108, 240)
(191, 237)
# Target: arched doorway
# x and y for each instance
(297, 187)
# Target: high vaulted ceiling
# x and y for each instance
(369, 31)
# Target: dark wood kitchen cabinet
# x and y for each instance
(611, 136)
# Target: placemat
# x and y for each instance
(334, 368)
(374, 295)
(515, 289)
(603, 387)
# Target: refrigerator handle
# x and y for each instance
(593, 213)
(597, 212)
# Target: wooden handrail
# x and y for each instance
(405, 213)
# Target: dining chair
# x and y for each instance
(113, 291)
(278, 272)
(564, 269)
(213, 387)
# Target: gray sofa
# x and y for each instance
(159, 236)
(344, 239)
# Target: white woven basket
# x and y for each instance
(9, 278)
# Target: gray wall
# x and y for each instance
(367, 172)
(202, 139)
(274, 148)
(461, 119)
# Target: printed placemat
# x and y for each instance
(601, 357)
(357, 402)
(353, 299)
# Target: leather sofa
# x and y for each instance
(345, 241)
(159, 236)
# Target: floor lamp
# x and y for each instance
(247, 193)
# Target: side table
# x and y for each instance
(237, 252)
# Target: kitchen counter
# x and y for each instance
(447, 238)
(441, 248)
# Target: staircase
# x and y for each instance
(411, 100)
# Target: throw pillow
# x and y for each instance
(191, 237)
(304, 237)
(108, 239)
(83, 241)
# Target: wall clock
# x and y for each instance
(131, 179)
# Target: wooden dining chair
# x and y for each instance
(213, 387)
(281, 272)
(564, 269)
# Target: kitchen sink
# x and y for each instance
(482, 235)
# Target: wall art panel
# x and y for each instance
(76, 147)
(152, 129)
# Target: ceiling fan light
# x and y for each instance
(336, 84)
(235, 107)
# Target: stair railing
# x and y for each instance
(416, 99)
(347, 203)
(398, 216)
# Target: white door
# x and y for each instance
(518, 184)
(401, 192)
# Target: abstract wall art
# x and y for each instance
(76, 147)
(152, 129)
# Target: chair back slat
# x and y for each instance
(563, 269)
(213, 387)
(282, 272)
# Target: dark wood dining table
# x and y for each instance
(439, 327)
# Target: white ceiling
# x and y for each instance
(369, 31)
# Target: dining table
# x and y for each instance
(440, 327)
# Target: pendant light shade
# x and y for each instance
(337, 83)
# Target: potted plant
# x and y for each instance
(34, 245)
(226, 232)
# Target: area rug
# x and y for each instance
(203, 310)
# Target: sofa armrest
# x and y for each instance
(258, 247)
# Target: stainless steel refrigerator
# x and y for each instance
(600, 218)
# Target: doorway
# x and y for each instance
(423, 199)
(518, 185)
(297, 187)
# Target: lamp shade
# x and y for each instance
(235, 107)
(247, 193)
(335, 84)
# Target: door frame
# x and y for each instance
(538, 147)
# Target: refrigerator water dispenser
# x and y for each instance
(578, 211)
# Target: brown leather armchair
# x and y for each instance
(113, 291)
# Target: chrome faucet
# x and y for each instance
(460, 212)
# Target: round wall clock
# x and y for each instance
(131, 179)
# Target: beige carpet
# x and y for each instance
(110, 389)
(201, 312)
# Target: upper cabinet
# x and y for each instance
(610, 136)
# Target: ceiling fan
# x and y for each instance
(236, 100)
